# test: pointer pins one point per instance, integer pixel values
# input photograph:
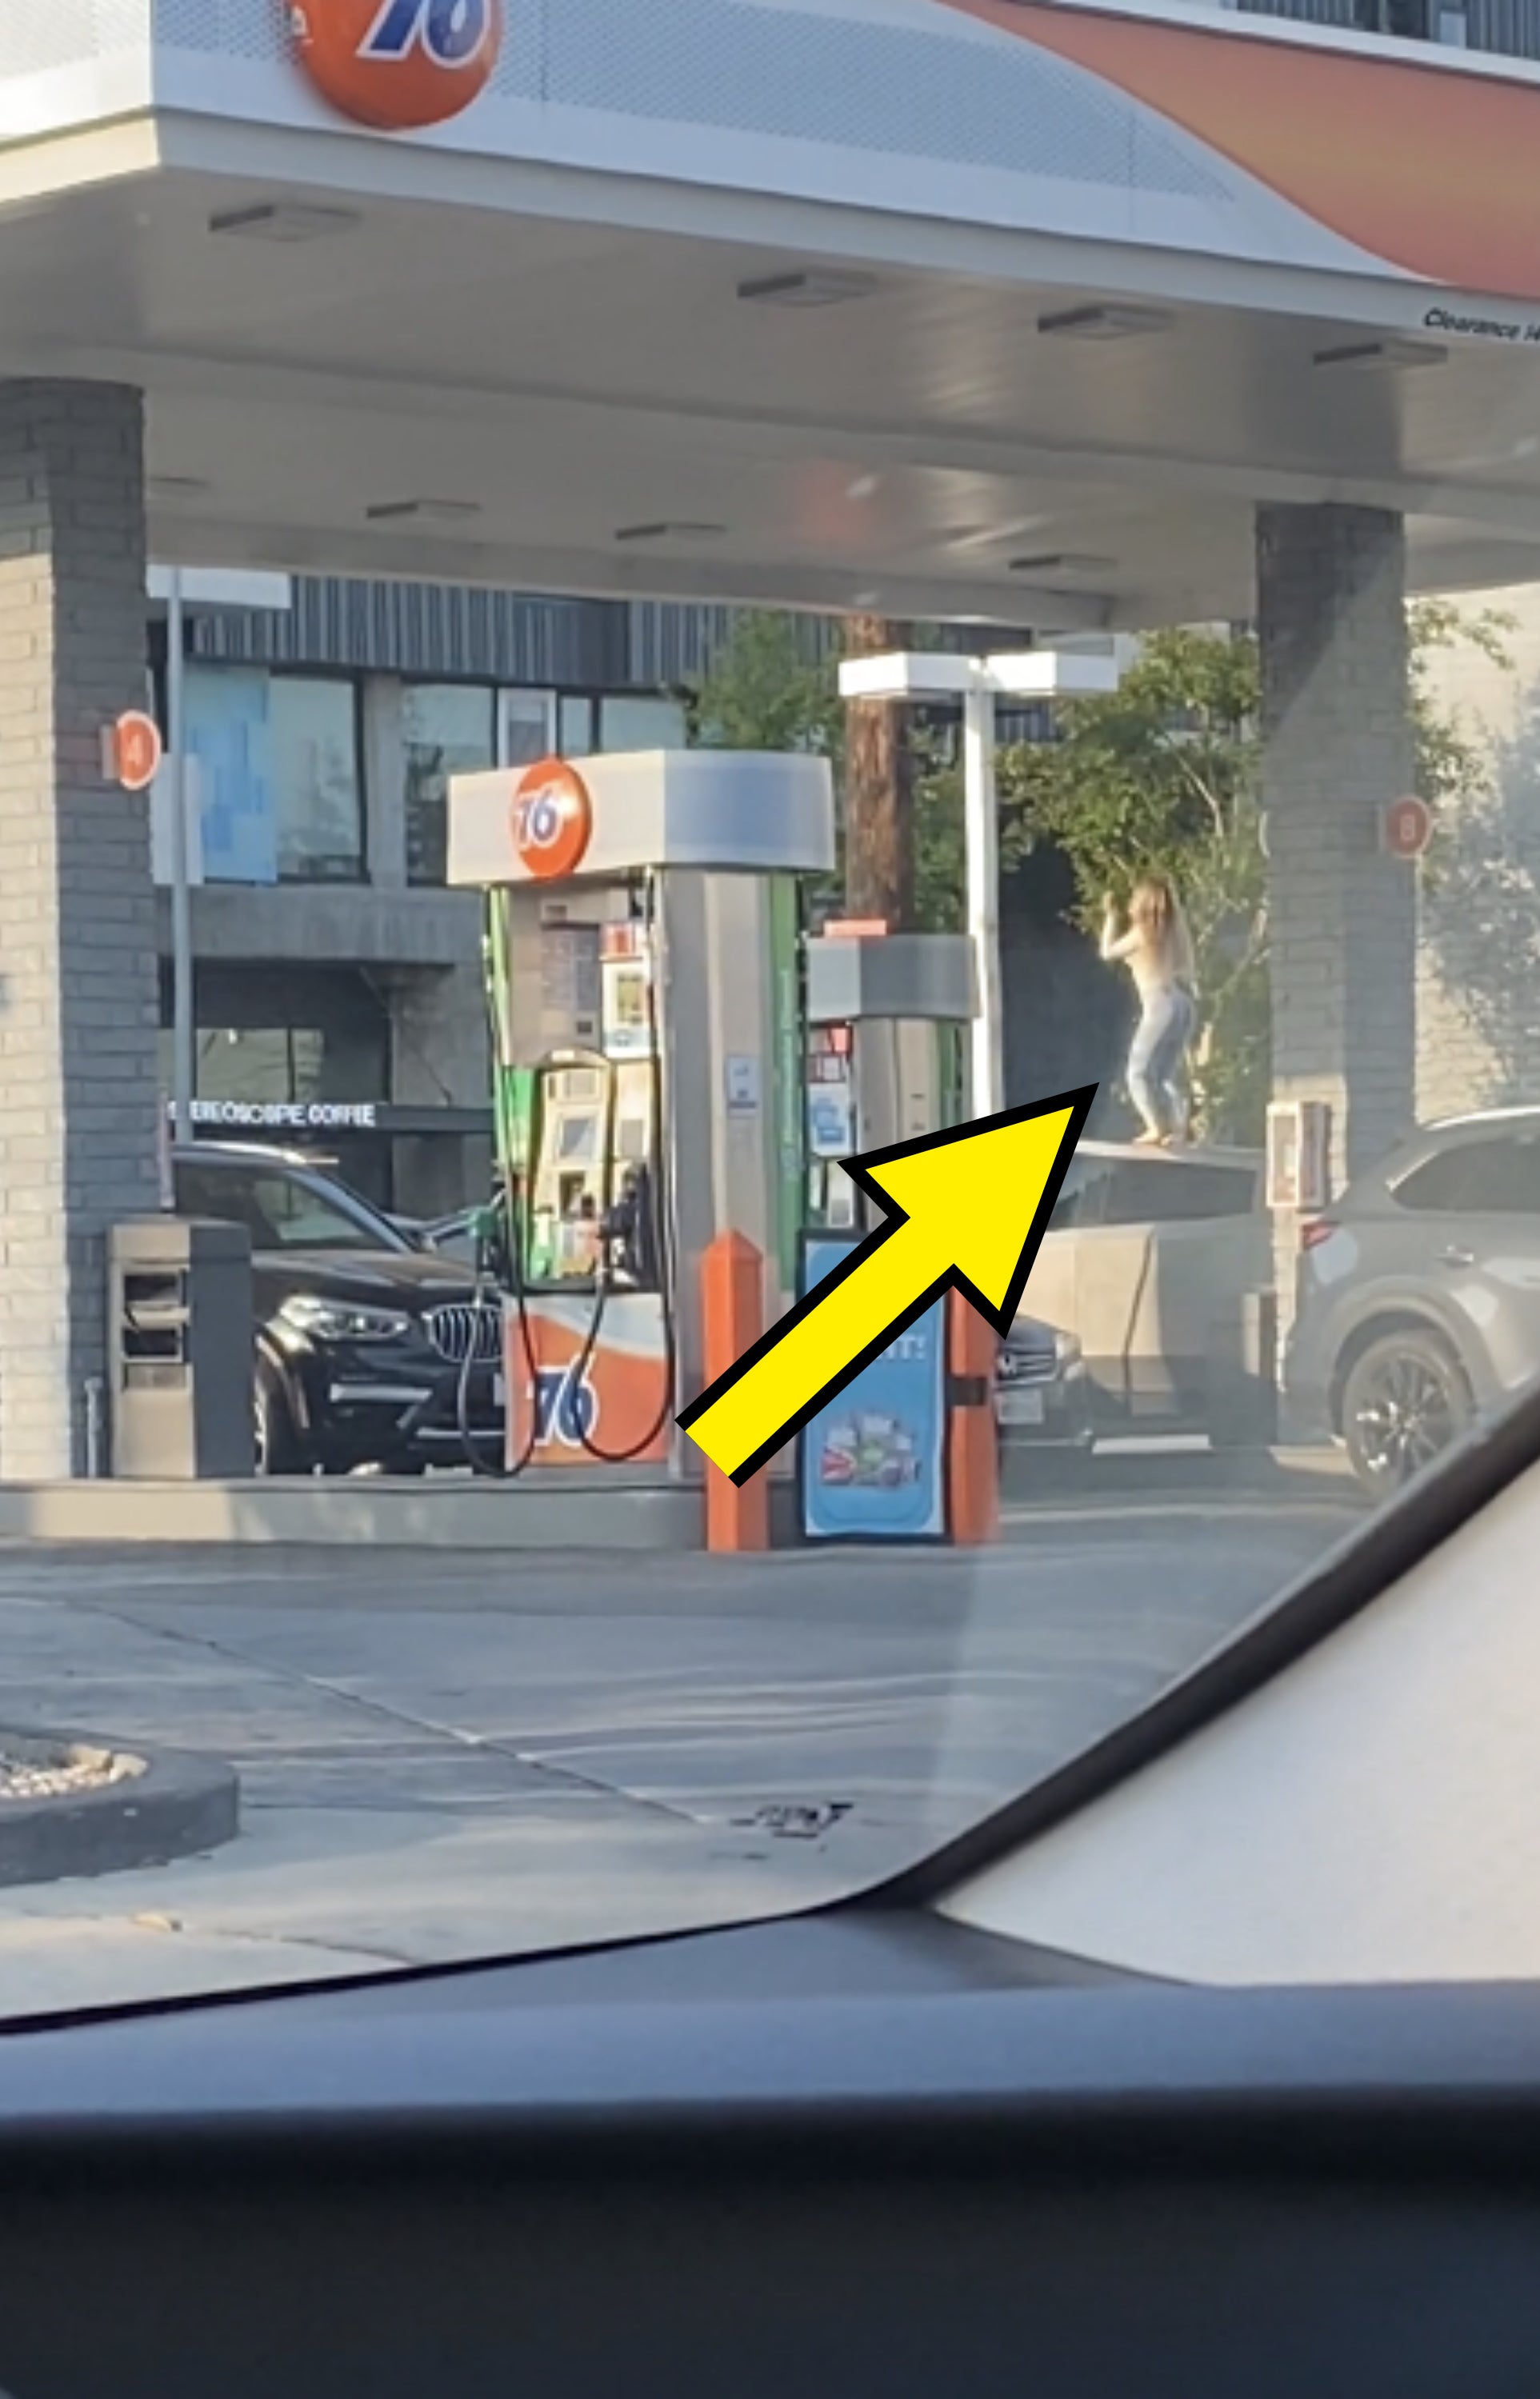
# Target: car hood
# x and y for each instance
(403, 1279)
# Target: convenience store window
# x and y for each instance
(283, 1034)
(447, 728)
(317, 778)
(280, 779)
(644, 722)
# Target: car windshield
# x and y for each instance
(876, 665)
(286, 1208)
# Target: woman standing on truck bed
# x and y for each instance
(1157, 949)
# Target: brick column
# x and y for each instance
(78, 1006)
(1337, 745)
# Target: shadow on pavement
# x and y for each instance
(1059, 1478)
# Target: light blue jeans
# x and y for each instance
(1157, 1059)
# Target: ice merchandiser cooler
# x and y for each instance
(182, 1343)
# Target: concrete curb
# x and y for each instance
(182, 1804)
(611, 1510)
(570, 1511)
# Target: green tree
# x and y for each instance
(1165, 775)
(1454, 757)
(1157, 777)
(773, 686)
(1160, 775)
(1481, 886)
(767, 689)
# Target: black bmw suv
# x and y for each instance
(361, 1338)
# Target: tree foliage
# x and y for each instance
(1163, 775)
(1453, 756)
(767, 689)
(1482, 888)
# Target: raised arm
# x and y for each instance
(1114, 945)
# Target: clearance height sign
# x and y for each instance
(398, 64)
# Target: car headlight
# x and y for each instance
(341, 1319)
(1021, 1358)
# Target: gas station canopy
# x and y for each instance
(929, 307)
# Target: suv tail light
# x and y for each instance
(1318, 1229)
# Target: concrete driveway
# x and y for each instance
(446, 1756)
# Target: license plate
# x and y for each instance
(499, 1392)
(1020, 1407)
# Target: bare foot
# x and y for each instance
(1148, 1139)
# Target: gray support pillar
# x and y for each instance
(79, 1003)
(385, 781)
(1337, 746)
(441, 1057)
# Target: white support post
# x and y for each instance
(183, 1029)
(987, 1059)
(979, 684)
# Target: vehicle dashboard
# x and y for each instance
(836, 2156)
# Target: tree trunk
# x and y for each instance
(880, 870)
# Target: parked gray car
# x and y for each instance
(1419, 1294)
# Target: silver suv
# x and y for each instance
(1150, 1261)
(1419, 1294)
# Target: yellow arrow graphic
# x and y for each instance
(966, 1210)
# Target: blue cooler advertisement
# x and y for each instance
(872, 1464)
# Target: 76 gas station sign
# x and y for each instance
(398, 64)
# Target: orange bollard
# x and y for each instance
(973, 1452)
(732, 1312)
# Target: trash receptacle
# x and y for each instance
(182, 1349)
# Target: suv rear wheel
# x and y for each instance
(1405, 1401)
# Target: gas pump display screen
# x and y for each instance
(871, 1466)
(578, 1139)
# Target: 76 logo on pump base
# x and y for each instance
(565, 1388)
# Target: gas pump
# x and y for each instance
(887, 1017)
(886, 1057)
(635, 923)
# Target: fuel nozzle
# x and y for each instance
(628, 1246)
(489, 1241)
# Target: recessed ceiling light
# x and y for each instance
(1394, 352)
(286, 221)
(1115, 323)
(1064, 561)
(816, 286)
(176, 487)
(995, 537)
(422, 511)
(674, 529)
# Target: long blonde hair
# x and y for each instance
(1152, 909)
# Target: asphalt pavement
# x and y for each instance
(449, 1755)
